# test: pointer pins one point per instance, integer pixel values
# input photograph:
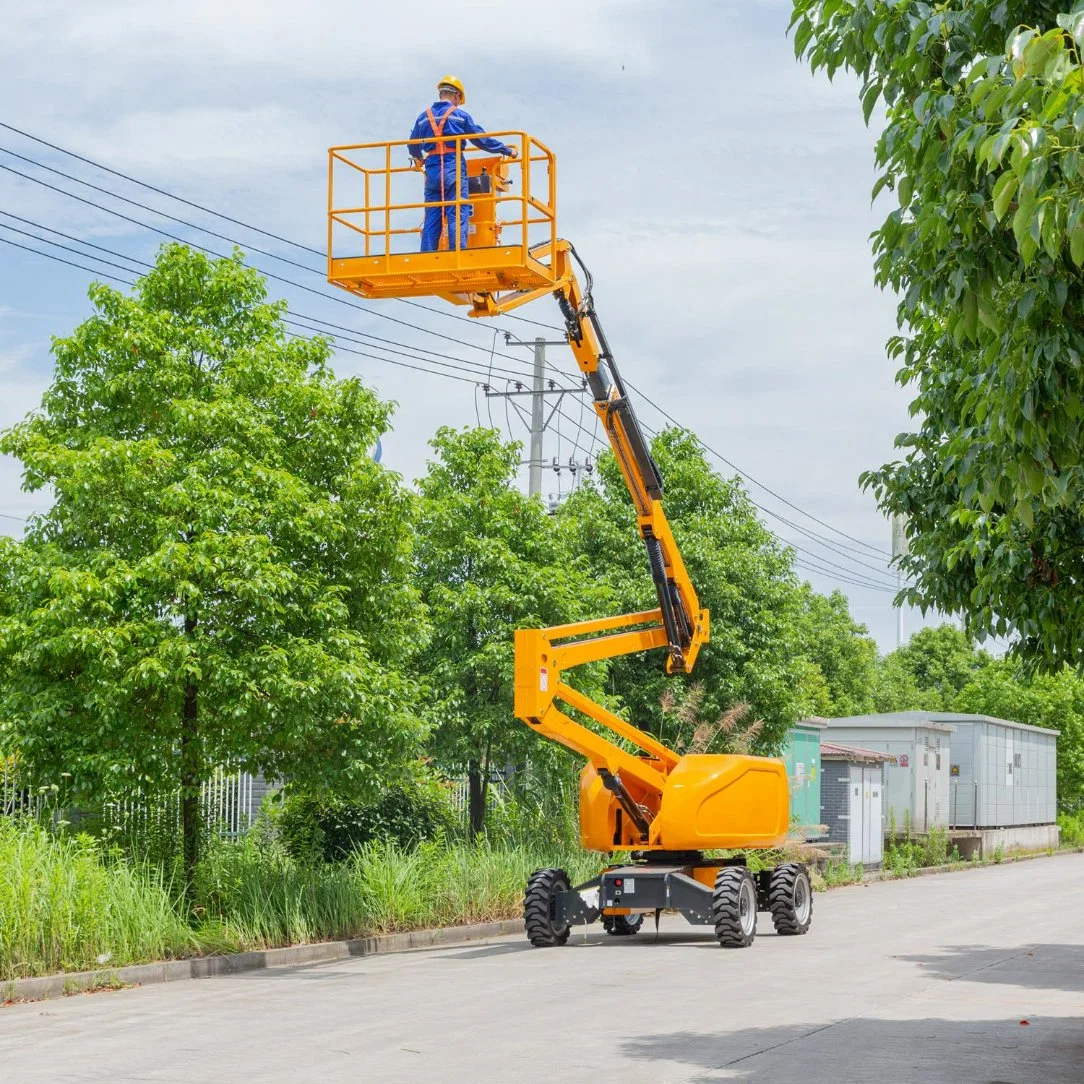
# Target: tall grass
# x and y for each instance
(67, 904)
(260, 896)
(64, 907)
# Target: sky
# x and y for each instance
(717, 190)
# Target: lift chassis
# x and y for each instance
(721, 893)
(666, 811)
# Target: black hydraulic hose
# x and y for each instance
(597, 382)
(616, 787)
(664, 589)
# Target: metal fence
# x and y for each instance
(15, 795)
(230, 801)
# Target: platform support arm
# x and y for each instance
(679, 624)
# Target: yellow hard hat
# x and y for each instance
(455, 84)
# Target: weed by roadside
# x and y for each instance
(1072, 829)
(69, 903)
(843, 873)
(902, 857)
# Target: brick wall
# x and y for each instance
(836, 799)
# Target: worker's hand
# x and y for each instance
(512, 153)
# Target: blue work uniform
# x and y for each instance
(445, 119)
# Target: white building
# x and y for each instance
(917, 785)
(991, 782)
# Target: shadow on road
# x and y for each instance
(482, 953)
(1043, 967)
(1049, 1050)
(694, 937)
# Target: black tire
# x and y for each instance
(791, 899)
(622, 925)
(734, 907)
(539, 908)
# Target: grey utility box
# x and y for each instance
(1002, 774)
(917, 785)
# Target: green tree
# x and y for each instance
(489, 561)
(741, 572)
(841, 650)
(942, 661)
(894, 688)
(984, 148)
(1052, 700)
(224, 574)
(928, 672)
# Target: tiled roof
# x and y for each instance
(853, 752)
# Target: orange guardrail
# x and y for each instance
(376, 208)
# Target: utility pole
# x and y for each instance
(899, 549)
(534, 484)
(539, 421)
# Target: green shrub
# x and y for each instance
(330, 827)
(1072, 829)
(843, 873)
(535, 815)
(935, 848)
(67, 904)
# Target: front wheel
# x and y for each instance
(622, 925)
(734, 907)
(540, 908)
(791, 899)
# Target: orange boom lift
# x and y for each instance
(637, 797)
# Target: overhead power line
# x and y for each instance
(754, 481)
(841, 574)
(235, 221)
(389, 346)
(343, 349)
(338, 297)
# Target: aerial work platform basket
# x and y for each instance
(376, 207)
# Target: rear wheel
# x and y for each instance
(734, 907)
(622, 925)
(791, 899)
(540, 908)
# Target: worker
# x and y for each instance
(447, 117)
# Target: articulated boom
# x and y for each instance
(618, 779)
(652, 799)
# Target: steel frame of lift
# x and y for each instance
(665, 810)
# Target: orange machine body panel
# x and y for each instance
(717, 801)
(709, 802)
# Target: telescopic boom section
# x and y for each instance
(678, 624)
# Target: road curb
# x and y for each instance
(202, 967)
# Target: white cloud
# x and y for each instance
(719, 192)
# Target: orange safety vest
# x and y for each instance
(439, 147)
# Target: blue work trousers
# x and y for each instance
(440, 184)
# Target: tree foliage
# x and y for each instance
(489, 561)
(984, 147)
(840, 649)
(941, 661)
(224, 575)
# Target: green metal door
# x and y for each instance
(802, 756)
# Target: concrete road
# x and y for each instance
(928, 980)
